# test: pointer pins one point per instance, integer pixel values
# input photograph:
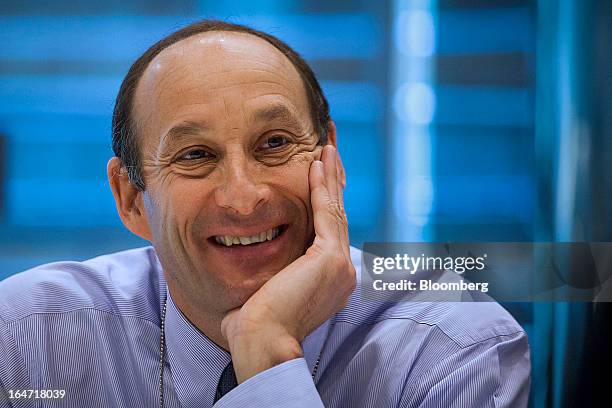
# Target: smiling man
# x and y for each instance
(225, 160)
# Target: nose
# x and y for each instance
(241, 191)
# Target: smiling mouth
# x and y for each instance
(263, 236)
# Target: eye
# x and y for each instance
(274, 142)
(195, 154)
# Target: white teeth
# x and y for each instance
(229, 240)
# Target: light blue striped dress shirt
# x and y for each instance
(93, 329)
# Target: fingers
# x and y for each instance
(341, 176)
(340, 179)
(326, 198)
(335, 186)
(328, 157)
(344, 224)
(319, 198)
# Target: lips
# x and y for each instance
(249, 252)
(263, 236)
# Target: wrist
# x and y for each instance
(255, 351)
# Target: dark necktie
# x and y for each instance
(227, 382)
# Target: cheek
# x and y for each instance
(302, 163)
(294, 176)
(298, 167)
(190, 197)
(178, 206)
(297, 181)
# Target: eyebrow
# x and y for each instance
(278, 112)
(183, 129)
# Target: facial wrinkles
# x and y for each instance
(182, 235)
(175, 66)
(175, 233)
(282, 122)
(244, 73)
(164, 169)
(294, 152)
(223, 96)
(297, 132)
(160, 221)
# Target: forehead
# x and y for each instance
(203, 72)
(210, 49)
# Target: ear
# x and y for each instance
(129, 200)
(332, 140)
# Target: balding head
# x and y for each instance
(125, 140)
(227, 122)
(195, 74)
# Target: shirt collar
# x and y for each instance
(196, 362)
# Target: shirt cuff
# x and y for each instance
(286, 385)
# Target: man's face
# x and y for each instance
(227, 142)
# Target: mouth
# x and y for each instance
(256, 239)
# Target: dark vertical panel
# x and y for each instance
(595, 368)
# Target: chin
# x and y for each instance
(239, 294)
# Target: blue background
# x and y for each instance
(504, 138)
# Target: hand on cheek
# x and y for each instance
(268, 329)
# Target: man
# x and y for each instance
(226, 162)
